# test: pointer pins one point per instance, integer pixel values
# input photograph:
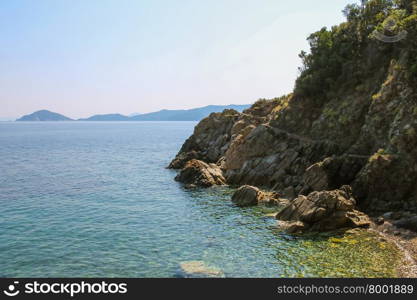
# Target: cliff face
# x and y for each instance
(354, 126)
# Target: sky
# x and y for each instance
(85, 57)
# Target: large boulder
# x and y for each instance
(323, 211)
(199, 173)
(251, 196)
(247, 196)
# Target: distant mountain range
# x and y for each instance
(195, 114)
(108, 117)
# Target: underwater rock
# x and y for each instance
(198, 173)
(323, 211)
(199, 269)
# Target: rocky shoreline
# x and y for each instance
(314, 191)
(340, 151)
(271, 167)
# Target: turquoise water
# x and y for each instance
(95, 200)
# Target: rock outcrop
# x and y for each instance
(210, 140)
(282, 149)
(332, 131)
(197, 173)
(323, 211)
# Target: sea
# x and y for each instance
(95, 199)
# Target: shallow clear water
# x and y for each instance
(95, 199)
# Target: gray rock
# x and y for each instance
(407, 223)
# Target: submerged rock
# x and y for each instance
(199, 173)
(323, 211)
(199, 269)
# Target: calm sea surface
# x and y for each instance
(95, 199)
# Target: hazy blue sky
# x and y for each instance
(80, 57)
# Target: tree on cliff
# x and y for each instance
(335, 55)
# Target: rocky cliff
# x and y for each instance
(351, 120)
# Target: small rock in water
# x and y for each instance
(199, 269)
(380, 221)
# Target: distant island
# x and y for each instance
(44, 115)
(195, 114)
